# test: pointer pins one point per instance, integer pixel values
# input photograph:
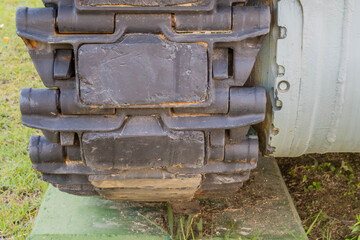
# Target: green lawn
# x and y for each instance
(20, 187)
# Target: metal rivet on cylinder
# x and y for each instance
(281, 70)
(283, 32)
(283, 86)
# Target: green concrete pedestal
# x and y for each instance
(264, 208)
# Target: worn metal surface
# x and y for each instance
(128, 73)
(144, 107)
(143, 135)
(309, 65)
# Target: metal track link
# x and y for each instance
(146, 102)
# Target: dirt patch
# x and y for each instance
(327, 185)
(325, 189)
(259, 210)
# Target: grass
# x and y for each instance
(180, 227)
(355, 230)
(20, 187)
(186, 227)
(326, 187)
(308, 230)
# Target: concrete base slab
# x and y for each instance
(263, 207)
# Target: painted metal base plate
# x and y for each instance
(265, 209)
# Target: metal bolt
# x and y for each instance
(283, 86)
(281, 70)
(283, 32)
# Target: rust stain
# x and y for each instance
(132, 6)
(252, 161)
(193, 114)
(240, 4)
(67, 58)
(204, 32)
(30, 43)
(173, 21)
(67, 160)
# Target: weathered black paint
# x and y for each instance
(148, 102)
(142, 70)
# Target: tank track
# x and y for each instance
(144, 101)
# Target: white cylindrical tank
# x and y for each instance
(310, 66)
